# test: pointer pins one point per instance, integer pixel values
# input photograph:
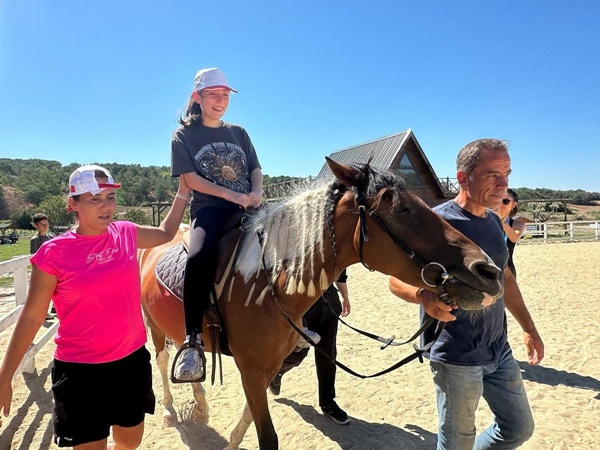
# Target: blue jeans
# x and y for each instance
(458, 390)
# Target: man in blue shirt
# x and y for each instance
(472, 357)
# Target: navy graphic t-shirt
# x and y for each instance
(475, 337)
(223, 155)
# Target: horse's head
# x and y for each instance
(396, 233)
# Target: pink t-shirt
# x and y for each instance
(97, 298)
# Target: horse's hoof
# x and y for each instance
(231, 447)
(200, 416)
(169, 418)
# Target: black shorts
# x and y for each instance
(90, 398)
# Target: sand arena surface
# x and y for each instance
(561, 284)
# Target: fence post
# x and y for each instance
(545, 229)
(571, 231)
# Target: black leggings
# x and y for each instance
(201, 264)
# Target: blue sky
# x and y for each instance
(84, 81)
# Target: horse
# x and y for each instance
(290, 252)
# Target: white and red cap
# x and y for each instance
(83, 180)
(211, 79)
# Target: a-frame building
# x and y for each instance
(402, 154)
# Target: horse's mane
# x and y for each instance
(293, 231)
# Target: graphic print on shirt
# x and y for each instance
(102, 257)
(224, 164)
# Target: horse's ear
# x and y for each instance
(346, 175)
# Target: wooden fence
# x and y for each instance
(18, 267)
(583, 230)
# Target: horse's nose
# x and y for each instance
(487, 271)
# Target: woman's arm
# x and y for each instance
(152, 236)
(343, 290)
(41, 289)
(515, 231)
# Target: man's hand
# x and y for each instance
(535, 347)
(435, 307)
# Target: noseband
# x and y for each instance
(364, 237)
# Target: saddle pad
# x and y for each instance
(170, 269)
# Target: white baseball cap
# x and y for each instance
(211, 79)
(83, 180)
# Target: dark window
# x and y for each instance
(408, 173)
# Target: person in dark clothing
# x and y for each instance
(472, 358)
(219, 162)
(513, 228)
(40, 223)
(322, 318)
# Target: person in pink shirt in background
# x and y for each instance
(101, 376)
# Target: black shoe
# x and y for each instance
(335, 413)
(275, 385)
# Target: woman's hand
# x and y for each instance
(6, 394)
(183, 188)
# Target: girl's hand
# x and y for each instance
(240, 199)
(255, 199)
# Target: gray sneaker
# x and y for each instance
(190, 366)
(302, 343)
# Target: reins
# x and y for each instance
(417, 354)
(429, 322)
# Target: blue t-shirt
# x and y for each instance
(475, 337)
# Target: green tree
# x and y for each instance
(55, 207)
(39, 184)
(139, 216)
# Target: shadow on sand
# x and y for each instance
(553, 377)
(39, 399)
(362, 434)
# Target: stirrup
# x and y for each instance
(191, 343)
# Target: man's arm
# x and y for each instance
(513, 299)
(432, 303)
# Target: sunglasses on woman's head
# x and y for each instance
(506, 201)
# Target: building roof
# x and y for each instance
(381, 151)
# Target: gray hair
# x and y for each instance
(469, 156)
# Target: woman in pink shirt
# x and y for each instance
(101, 376)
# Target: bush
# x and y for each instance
(139, 216)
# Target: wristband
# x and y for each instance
(181, 197)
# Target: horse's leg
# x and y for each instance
(162, 361)
(238, 433)
(255, 386)
(201, 406)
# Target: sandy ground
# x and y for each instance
(561, 284)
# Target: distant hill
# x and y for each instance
(26, 183)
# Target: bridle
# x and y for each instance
(429, 322)
(364, 237)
